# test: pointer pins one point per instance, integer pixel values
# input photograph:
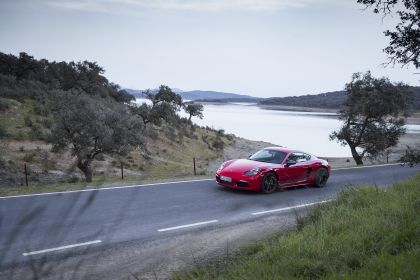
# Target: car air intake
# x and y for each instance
(242, 184)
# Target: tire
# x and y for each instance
(269, 183)
(321, 177)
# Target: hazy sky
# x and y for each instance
(256, 47)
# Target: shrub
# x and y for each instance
(3, 105)
(29, 157)
(170, 132)
(73, 179)
(20, 135)
(152, 133)
(220, 132)
(100, 157)
(41, 110)
(3, 131)
(46, 122)
(218, 143)
(37, 133)
(28, 121)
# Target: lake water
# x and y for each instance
(307, 131)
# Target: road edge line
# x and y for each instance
(104, 189)
(61, 248)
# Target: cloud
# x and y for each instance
(180, 5)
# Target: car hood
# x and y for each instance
(244, 165)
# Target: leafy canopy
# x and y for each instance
(404, 41)
(373, 115)
(90, 126)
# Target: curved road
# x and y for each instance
(150, 230)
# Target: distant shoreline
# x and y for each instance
(297, 108)
(414, 119)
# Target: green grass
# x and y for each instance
(368, 233)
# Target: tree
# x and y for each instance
(404, 45)
(411, 156)
(165, 104)
(193, 109)
(164, 94)
(90, 126)
(373, 114)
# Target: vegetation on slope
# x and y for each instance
(367, 233)
(67, 122)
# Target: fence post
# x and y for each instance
(195, 171)
(122, 171)
(26, 175)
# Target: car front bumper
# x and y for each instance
(251, 183)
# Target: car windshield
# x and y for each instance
(271, 156)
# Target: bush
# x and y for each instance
(28, 121)
(37, 133)
(152, 133)
(218, 143)
(41, 110)
(73, 179)
(29, 157)
(3, 131)
(47, 123)
(20, 136)
(3, 105)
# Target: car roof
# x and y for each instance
(281, 149)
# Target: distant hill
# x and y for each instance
(329, 100)
(209, 95)
(204, 95)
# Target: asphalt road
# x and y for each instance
(151, 230)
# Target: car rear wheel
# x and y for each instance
(269, 183)
(321, 177)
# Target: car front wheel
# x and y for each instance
(269, 183)
(321, 177)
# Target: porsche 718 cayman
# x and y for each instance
(273, 168)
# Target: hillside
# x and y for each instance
(328, 100)
(57, 116)
(203, 95)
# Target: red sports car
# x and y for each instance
(271, 168)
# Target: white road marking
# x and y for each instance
(291, 207)
(189, 225)
(61, 248)
(104, 189)
(367, 166)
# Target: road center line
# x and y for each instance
(291, 207)
(61, 248)
(188, 225)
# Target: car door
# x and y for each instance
(297, 172)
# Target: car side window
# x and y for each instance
(299, 157)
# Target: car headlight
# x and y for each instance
(253, 172)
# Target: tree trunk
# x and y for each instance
(190, 117)
(356, 156)
(84, 166)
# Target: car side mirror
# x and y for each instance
(290, 162)
(250, 156)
